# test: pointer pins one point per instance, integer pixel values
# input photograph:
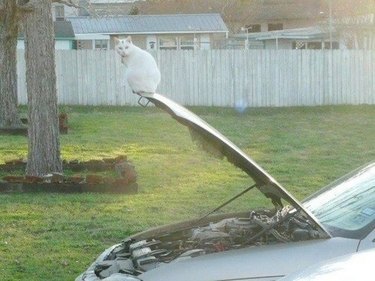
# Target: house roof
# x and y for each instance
(313, 32)
(150, 24)
(63, 30)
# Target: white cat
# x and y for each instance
(142, 72)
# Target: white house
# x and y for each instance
(64, 36)
(176, 31)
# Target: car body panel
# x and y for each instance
(356, 266)
(269, 262)
(265, 182)
(368, 242)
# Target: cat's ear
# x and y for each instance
(117, 41)
(128, 39)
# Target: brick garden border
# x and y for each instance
(124, 182)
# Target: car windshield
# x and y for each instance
(347, 206)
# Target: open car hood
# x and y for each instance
(206, 134)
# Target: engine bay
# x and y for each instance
(135, 256)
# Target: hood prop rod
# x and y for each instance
(227, 202)
(141, 103)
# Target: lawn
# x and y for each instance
(55, 236)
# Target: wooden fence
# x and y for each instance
(230, 78)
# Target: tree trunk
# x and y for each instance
(9, 117)
(43, 131)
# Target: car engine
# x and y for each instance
(259, 228)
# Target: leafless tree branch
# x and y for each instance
(68, 3)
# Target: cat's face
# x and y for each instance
(124, 46)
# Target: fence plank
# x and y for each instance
(253, 78)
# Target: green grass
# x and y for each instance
(55, 237)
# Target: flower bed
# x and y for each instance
(123, 180)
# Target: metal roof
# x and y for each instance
(313, 32)
(63, 31)
(150, 24)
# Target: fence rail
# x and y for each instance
(231, 78)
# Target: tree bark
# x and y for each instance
(43, 131)
(9, 116)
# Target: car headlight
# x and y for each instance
(90, 276)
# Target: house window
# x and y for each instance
(335, 45)
(275, 26)
(84, 44)
(101, 45)
(299, 45)
(168, 43)
(59, 13)
(187, 42)
(314, 45)
(252, 28)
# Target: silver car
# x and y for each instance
(356, 266)
(262, 244)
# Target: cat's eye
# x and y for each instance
(120, 48)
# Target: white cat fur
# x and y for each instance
(142, 72)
